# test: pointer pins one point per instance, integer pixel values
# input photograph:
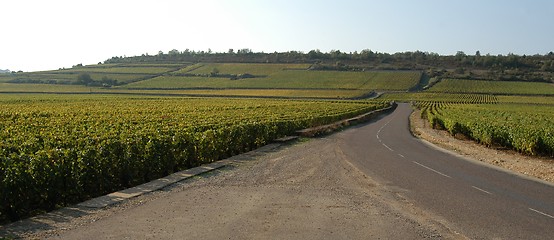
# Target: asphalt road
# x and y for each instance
(475, 200)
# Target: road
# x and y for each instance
(474, 200)
(367, 182)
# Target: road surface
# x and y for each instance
(474, 200)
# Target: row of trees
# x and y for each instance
(409, 59)
(86, 79)
(500, 67)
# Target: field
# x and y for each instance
(257, 69)
(522, 123)
(522, 127)
(268, 93)
(218, 79)
(493, 87)
(440, 97)
(61, 149)
(58, 149)
(122, 73)
(290, 79)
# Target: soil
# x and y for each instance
(534, 167)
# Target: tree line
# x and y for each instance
(510, 67)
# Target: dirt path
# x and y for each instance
(541, 168)
(307, 190)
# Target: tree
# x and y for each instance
(84, 78)
(214, 72)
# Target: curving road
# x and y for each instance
(473, 199)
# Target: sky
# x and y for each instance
(44, 35)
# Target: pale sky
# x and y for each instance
(50, 34)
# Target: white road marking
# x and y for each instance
(379, 138)
(481, 190)
(401, 155)
(379, 131)
(539, 212)
(442, 174)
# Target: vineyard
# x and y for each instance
(215, 79)
(257, 69)
(61, 149)
(116, 73)
(279, 76)
(522, 127)
(521, 123)
(493, 87)
(440, 97)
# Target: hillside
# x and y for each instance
(294, 74)
(213, 79)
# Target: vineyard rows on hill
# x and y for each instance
(493, 87)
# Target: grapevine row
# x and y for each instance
(524, 128)
(62, 151)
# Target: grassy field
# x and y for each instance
(292, 79)
(269, 80)
(241, 68)
(283, 93)
(122, 73)
(42, 88)
(117, 69)
(493, 87)
(64, 78)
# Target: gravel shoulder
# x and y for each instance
(535, 167)
(305, 190)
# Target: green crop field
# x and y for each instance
(282, 93)
(69, 77)
(523, 127)
(42, 88)
(493, 87)
(440, 97)
(288, 80)
(522, 123)
(241, 68)
(121, 73)
(115, 69)
(292, 79)
(61, 149)
(527, 99)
